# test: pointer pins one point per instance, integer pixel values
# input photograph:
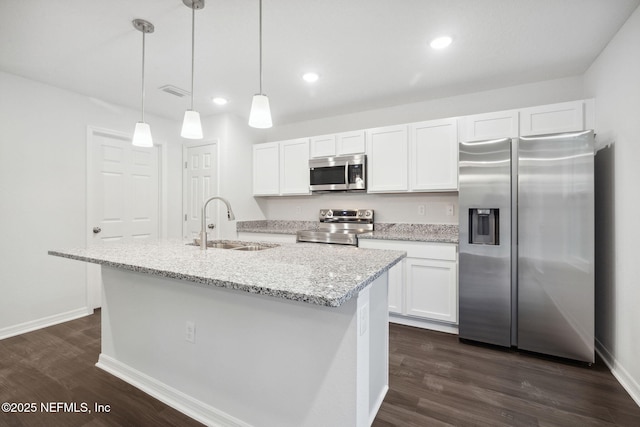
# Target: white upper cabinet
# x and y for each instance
(554, 118)
(266, 169)
(294, 166)
(281, 168)
(338, 144)
(351, 143)
(434, 155)
(501, 124)
(323, 146)
(387, 150)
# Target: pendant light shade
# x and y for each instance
(142, 132)
(142, 135)
(191, 126)
(260, 115)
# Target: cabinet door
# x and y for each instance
(387, 150)
(323, 146)
(266, 169)
(501, 124)
(350, 143)
(431, 289)
(434, 155)
(294, 166)
(396, 288)
(554, 118)
(396, 273)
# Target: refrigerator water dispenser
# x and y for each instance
(484, 225)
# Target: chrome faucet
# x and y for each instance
(203, 231)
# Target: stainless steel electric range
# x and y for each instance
(340, 226)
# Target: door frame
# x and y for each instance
(185, 191)
(93, 271)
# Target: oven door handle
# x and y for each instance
(346, 174)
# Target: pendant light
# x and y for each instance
(142, 132)
(191, 126)
(260, 115)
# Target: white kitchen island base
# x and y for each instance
(255, 360)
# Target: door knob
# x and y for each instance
(96, 230)
(211, 226)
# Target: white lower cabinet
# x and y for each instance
(423, 288)
(431, 289)
(396, 297)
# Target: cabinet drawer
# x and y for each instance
(441, 251)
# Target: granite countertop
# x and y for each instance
(275, 226)
(438, 233)
(327, 275)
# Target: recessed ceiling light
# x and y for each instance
(310, 77)
(219, 101)
(440, 42)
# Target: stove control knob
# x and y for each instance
(367, 213)
(329, 213)
(359, 213)
(323, 213)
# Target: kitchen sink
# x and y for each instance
(252, 248)
(234, 245)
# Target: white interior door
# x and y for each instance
(200, 183)
(123, 184)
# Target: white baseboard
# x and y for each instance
(424, 324)
(619, 372)
(32, 325)
(178, 400)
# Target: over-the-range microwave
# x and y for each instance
(342, 173)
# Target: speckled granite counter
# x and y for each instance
(439, 233)
(325, 275)
(442, 233)
(275, 226)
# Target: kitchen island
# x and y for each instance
(293, 335)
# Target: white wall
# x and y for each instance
(235, 156)
(43, 195)
(400, 208)
(403, 208)
(529, 95)
(614, 81)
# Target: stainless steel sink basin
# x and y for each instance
(220, 245)
(252, 248)
(234, 245)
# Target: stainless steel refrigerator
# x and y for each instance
(526, 265)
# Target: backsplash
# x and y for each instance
(412, 208)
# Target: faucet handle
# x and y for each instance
(211, 226)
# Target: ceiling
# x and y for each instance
(368, 53)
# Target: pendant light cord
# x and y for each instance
(143, 37)
(193, 48)
(260, 27)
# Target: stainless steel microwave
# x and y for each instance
(343, 173)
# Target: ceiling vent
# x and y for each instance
(174, 90)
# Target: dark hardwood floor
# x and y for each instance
(434, 381)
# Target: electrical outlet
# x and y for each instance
(449, 210)
(190, 332)
(421, 210)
